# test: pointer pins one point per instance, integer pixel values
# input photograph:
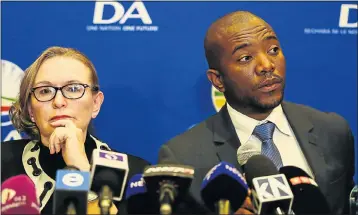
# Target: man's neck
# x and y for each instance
(251, 112)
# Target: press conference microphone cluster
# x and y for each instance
(18, 196)
(107, 179)
(224, 189)
(307, 197)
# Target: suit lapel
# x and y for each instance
(225, 138)
(307, 138)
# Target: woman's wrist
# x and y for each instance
(83, 166)
(81, 163)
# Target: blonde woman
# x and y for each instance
(59, 96)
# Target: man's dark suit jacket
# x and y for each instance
(325, 139)
(12, 164)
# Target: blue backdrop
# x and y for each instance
(151, 65)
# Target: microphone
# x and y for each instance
(224, 189)
(271, 192)
(246, 151)
(108, 177)
(138, 199)
(170, 181)
(353, 201)
(71, 191)
(18, 196)
(308, 198)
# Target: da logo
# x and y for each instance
(218, 98)
(11, 78)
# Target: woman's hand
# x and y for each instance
(69, 139)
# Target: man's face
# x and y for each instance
(252, 66)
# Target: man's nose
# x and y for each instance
(265, 65)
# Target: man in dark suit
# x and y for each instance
(247, 65)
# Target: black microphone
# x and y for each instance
(224, 189)
(109, 174)
(139, 201)
(18, 196)
(353, 201)
(271, 192)
(308, 198)
(71, 191)
(170, 181)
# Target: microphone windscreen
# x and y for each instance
(225, 182)
(308, 198)
(257, 166)
(246, 151)
(71, 186)
(139, 201)
(108, 177)
(18, 196)
(109, 168)
(135, 186)
(293, 171)
(166, 161)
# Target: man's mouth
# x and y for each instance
(270, 85)
(270, 88)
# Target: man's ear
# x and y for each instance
(216, 79)
(97, 103)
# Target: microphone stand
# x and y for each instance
(166, 198)
(223, 207)
(71, 209)
(105, 199)
(279, 211)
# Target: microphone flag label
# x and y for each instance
(110, 156)
(70, 179)
(273, 187)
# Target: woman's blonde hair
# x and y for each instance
(18, 112)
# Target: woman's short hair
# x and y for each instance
(18, 112)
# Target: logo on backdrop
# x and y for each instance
(347, 23)
(11, 77)
(218, 98)
(126, 16)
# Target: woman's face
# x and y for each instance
(59, 72)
